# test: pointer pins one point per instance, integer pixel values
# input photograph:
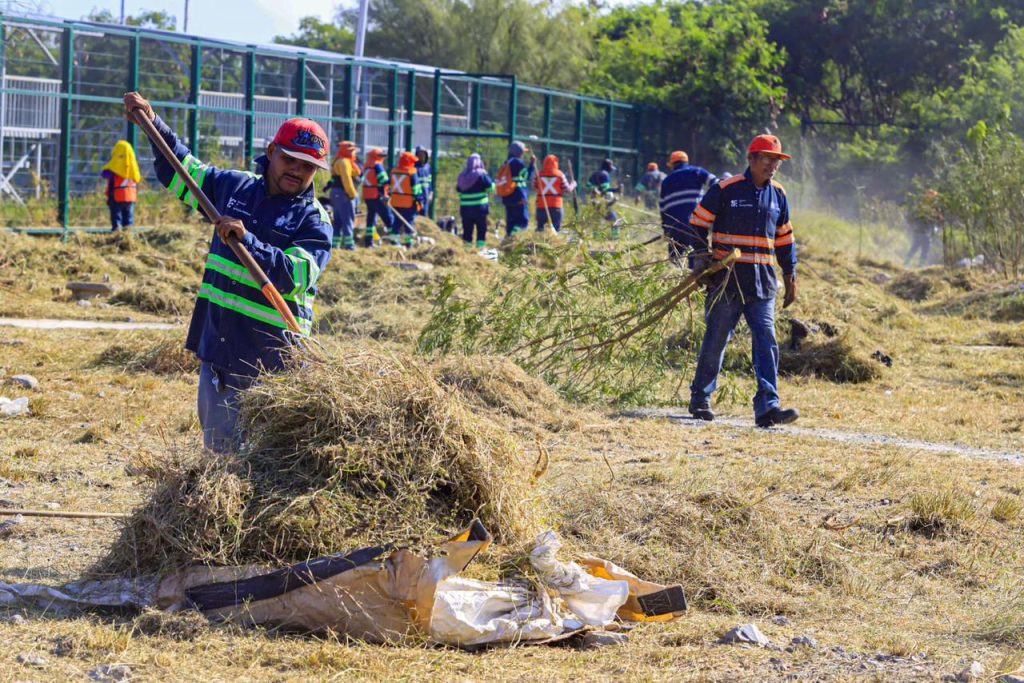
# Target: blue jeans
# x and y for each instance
(542, 219)
(344, 218)
(122, 215)
(722, 313)
(374, 208)
(517, 217)
(218, 407)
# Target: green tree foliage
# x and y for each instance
(541, 42)
(983, 201)
(710, 63)
(321, 35)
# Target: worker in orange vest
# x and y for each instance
(123, 177)
(344, 172)
(375, 194)
(407, 195)
(551, 184)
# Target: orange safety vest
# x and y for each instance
(549, 191)
(370, 190)
(125, 190)
(401, 190)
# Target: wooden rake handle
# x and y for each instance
(243, 255)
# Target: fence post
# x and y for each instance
(392, 115)
(133, 82)
(250, 107)
(547, 123)
(300, 97)
(579, 140)
(410, 111)
(193, 98)
(64, 160)
(346, 101)
(513, 106)
(435, 126)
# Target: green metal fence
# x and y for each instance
(61, 84)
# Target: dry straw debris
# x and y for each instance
(346, 448)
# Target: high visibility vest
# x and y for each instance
(125, 190)
(468, 199)
(549, 191)
(402, 190)
(373, 187)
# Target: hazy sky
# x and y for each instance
(249, 21)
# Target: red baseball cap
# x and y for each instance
(303, 139)
(767, 144)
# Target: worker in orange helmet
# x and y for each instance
(551, 184)
(648, 187)
(407, 195)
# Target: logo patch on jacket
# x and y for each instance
(237, 207)
(741, 204)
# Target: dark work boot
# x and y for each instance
(778, 416)
(702, 411)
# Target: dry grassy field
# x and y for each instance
(887, 525)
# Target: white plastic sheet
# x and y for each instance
(594, 601)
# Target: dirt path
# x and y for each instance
(40, 324)
(861, 438)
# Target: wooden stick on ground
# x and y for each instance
(62, 513)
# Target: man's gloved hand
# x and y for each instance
(700, 261)
(790, 295)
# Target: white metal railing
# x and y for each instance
(30, 115)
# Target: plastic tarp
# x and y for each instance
(385, 595)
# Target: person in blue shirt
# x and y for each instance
(517, 207)
(234, 331)
(426, 174)
(748, 212)
(599, 185)
(474, 186)
(680, 192)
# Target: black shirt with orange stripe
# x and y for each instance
(735, 213)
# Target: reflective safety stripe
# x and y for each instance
(784, 230)
(249, 309)
(197, 170)
(472, 198)
(742, 240)
(238, 273)
(698, 222)
(745, 256)
(785, 240)
(703, 213)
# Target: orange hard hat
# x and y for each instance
(652, 166)
(767, 144)
(678, 157)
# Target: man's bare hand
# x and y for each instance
(133, 101)
(790, 295)
(230, 226)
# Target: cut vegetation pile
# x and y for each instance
(347, 448)
(162, 357)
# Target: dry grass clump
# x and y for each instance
(915, 285)
(163, 357)
(497, 384)
(158, 298)
(939, 512)
(712, 541)
(837, 359)
(347, 448)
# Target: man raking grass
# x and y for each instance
(277, 219)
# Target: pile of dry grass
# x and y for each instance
(164, 357)
(158, 298)
(347, 448)
(498, 385)
(842, 358)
